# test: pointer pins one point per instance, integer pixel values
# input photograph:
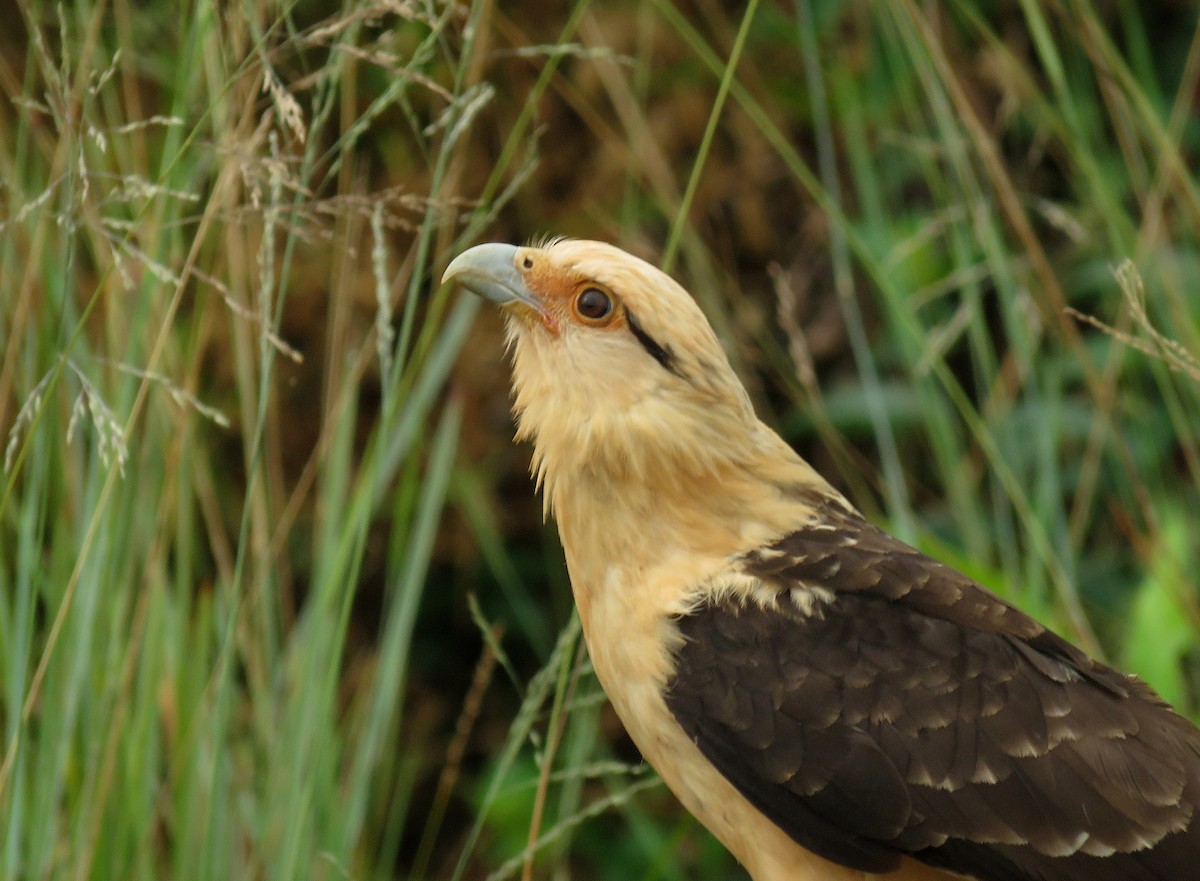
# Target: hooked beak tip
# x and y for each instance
(490, 271)
(487, 270)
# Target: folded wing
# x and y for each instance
(874, 703)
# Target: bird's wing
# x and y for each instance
(883, 704)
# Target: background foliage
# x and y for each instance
(275, 596)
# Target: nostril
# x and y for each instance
(527, 263)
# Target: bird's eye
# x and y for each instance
(593, 304)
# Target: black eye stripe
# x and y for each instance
(660, 354)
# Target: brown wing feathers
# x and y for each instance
(915, 713)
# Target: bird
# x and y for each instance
(831, 703)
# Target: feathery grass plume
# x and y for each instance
(187, 693)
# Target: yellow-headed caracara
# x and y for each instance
(830, 702)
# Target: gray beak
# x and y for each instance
(491, 272)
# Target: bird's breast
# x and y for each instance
(630, 636)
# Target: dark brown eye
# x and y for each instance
(593, 304)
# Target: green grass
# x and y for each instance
(257, 515)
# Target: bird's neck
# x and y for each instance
(618, 515)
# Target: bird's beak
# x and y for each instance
(491, 272)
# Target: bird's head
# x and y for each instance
(617, 373)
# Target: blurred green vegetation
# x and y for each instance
(276, 600)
